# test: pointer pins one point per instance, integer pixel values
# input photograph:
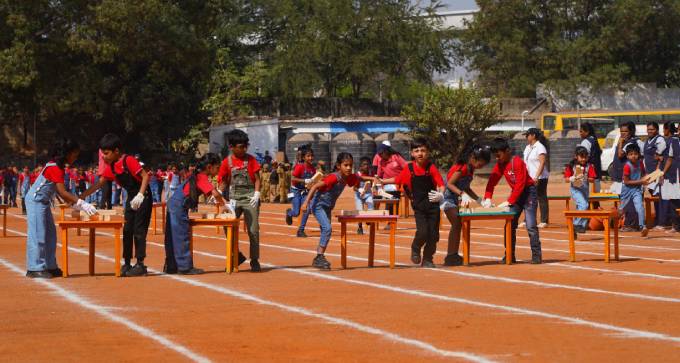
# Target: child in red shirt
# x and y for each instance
(522, 197)
(579, 184)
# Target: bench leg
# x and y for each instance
(230, 248)
(343, 244)
(465, 227)
(64, 251)
(616, 244)
(91, 254)
(508, 242)
(606, 242)
(572, 244)
(235, 244)
(371, 244)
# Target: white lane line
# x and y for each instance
(105, 312)
(299, 310)
(620, 331)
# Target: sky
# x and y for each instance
(460, 4)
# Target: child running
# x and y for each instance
(459, 194)
(300, 178)
(631, 189)
(579, 184)
(363, 194)
(177, 254)
(41, 243)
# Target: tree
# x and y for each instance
(451, 118)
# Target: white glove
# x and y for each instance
(308, 181)
(85, 207)
(230, 205)
(572, 178)
(505, 204)
(486, 203)
(255, 199)
(136, 202)
(465, 200)
(435, 196)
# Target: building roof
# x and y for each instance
(358, 119)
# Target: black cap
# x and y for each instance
(533, 131)
(383, 148)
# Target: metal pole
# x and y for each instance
(524, 113)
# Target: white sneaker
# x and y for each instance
(659, 228)
(542, 225)
(521, 225)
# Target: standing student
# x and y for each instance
(363, 194)
(239, 175)
(670, 183)
(25, 185)
(265, 175)
(178, 257)
(390, 165)
(459, 194)
(579, 184)
(654, 149)
(127, 172)
(301, 177)
(274, 182)
(321, 200)
(631, 190)
(424, 185)
(41, 243)
(536, 157)
(522, 195)
(628, 138)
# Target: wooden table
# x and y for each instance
(602, 197)
(218, 209)
(154, 216)
(466, 226)
(649, 218)
(372, 221)
(231, 225)
(62, 214)
(3, 208)
(609, 215)
(565, 198)
(92, 226)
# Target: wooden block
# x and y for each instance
(209, 215)
(352, 213)
(486, 210)
(225, 216)
(578, 173)
(382, 193)
(653, 176)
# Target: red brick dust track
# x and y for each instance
(557, 311)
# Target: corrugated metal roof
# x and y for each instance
(346, 119)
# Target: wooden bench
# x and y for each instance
(154, 216)
(565, 198)
(372, 221)
(649, 218)
(92, 226)
(610, 215)
(3, 208)
(466, 226)
(231, 225)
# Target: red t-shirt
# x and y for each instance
(391, 167)
(404, 178)
(627, 171)
(132, 164)
(463, 168)
(569, 171)
(225, 171)
(202, 184)
(34, 177)
(331, 179)
(516, 174)
(300, 169)
(54, 174)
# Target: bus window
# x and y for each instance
(674, 118)
(620, 120)
(569, 123)
(602, 127)
(651, 118)
(548, 122)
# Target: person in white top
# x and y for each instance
(536, 158)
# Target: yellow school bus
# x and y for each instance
(605, 121)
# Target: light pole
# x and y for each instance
(524, 114)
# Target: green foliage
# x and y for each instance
(452, 118)
(517, 44)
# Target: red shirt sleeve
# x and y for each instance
(404, 178)
(329, 181)
(133, 166)
(253, 167)
(108, 173)
(626, 170)
(203, 183)
(298, 170)
(353, 180)
(224, 172)
(436, 176)
(591, 172)
(494, 178)
(521, 179)
(54, 174)
(568, 172)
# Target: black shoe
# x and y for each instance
(255, 265)
(321, 262)
(137, 270)
(169, 271)
(241, 258)
(38, 274)
(360, 230)
(124, 270)
(428, 264)
(289, 219)
(536, 260)
(415, 257)
(502, 261)
(301, 234)
(56, 272)
(192, 271)
(453, 260)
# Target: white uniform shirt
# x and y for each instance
(531, 153)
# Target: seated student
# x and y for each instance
(459, 194)
(177, 254)
(579, 184)
(631, 190)
(41, 242)
(425, 187)
(522, 195)
(127, 172)
(321, 200)
(363, 194)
